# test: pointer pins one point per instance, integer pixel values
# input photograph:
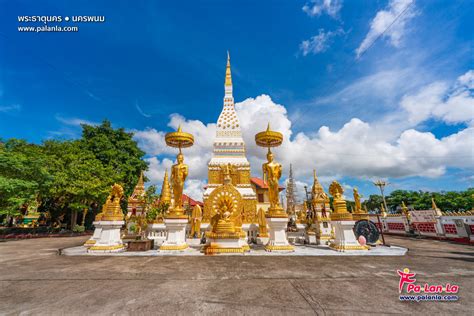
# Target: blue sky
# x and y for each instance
(410, 92)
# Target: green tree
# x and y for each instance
(80, 180)
(23, 175)
(373, 202)
(116, 149)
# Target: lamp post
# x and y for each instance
(307, 207)
(381, 184)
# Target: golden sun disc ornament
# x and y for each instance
(269, 138)
(179, 139)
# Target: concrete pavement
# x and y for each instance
(34, 279)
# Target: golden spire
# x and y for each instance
(435, 207)
(165, 196)
(228, 75)
(140, 183)
(317, 191)
(139, 191)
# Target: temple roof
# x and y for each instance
(139, 190)
(317, 190)
(191, 201)
(261, 184)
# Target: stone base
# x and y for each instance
(157, 232)
(194, 242)
(262, 240)
(227, 245)
(96, 236)
(324, 239)
(109, 240)
(278, 240)
(140, 245)
(176, 237)
(244, 244)
(90, 242)
(301, 227)
(344, 237)
(311, 239)
(106, 249)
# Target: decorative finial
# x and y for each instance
(179, 128)
(228, 75)
(140, 180)
(314, 174)
(268, 127)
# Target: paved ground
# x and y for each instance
(34, 279)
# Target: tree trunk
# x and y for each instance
(73, 219)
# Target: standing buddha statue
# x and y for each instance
(179, 172)
(271, 176)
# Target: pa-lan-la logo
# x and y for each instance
(408, 278)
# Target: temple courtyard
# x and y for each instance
(35, 279)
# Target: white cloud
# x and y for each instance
(390, 22)
(74, 121)
(10, 108)
(194, 188)
(357, 149)
(467, 80)
(139, 109)
(318, 43)
(440, 101)
(318, 7)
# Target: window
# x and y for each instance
(260, 198)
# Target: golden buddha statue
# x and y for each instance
(262, 223)
(226, 203)
(339, 204)
(358, 208)
(405, 211)
(302, 216)
(196, 218)
(358, 213)
(112, 210)
(271, 176)
(179, 172)
(383, 212)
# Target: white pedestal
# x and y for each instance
(157, 232)
(244, 244)
(176, 238)
(109, 240)
(226, 246)
(311, 239)
(344, 237)
(300, 227)
(96, 236)
(194, 242)
(262, 240)
(277, 230)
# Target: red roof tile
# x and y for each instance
(191, 201)
(259, 182)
